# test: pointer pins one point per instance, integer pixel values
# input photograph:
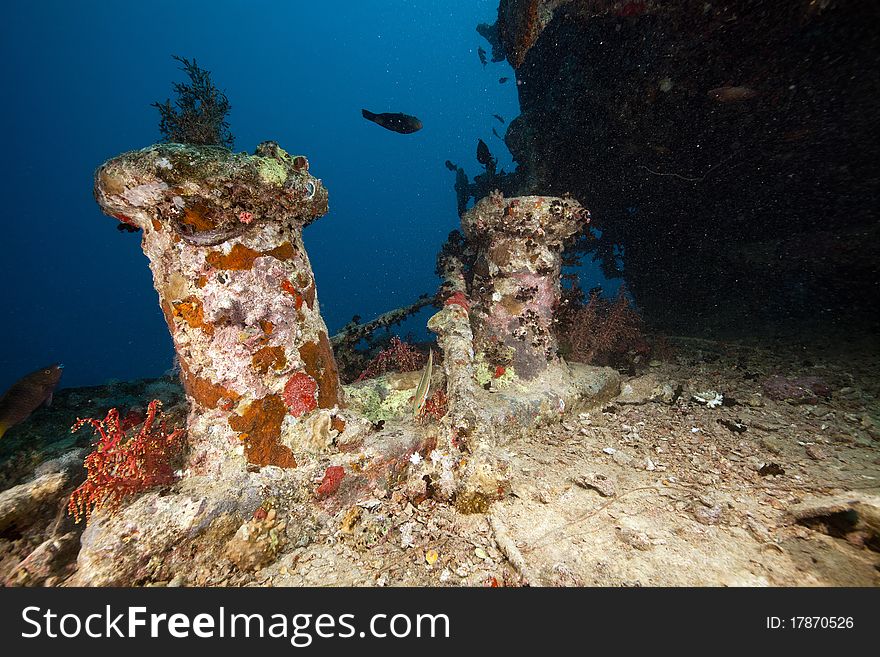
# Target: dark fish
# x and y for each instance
(502, 80)
(394, 121)
(495, 132)
(484, 156)
(26, 395)
(126, 228)
(451, 166)
(482, 55)
(500, 118)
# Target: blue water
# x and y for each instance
(79, 79)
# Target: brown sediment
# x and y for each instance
(190, 310)
(269, 357)
(321, 366)
(261, 422)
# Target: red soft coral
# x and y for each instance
(398, 357)
(458, 299)
(331, 482)
(299, 394)
(120, 466)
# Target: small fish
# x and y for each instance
(502, 80)
(451, 166)
(126, 228)
(482, 55)
(394, 121)
(731, 94)
(28, 394)
(495, 132)
(500, 118)
(421, 395)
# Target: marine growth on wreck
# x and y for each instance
(631, 346)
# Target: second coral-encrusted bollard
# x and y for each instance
(223, 233)
(516, 286)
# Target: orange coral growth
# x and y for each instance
(190, 310)
(261, 422)
(204, 392)
(337, 424)
(157, 225)
(269, 357)
(198, 217)
(267, 326)
(321, 366)
(239, 257)
(283, 251)
(242, 257)
(120, 467)
(288, 287)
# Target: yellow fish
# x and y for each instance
(424, 387)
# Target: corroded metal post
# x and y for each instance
(223, 233)
(516, 276)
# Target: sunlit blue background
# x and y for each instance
(79, 79)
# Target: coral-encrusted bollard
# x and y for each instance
(223, 233)
(516, 285)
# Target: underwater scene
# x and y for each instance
(486, 293)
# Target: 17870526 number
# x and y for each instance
(810, 623)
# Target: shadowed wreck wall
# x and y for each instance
(724, 149)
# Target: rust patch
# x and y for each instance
(239, 257)
(321, 366)
(205, 393)
(262, 423)
(157, 225)
(337, 424)
(190, 310)
(269, 357)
